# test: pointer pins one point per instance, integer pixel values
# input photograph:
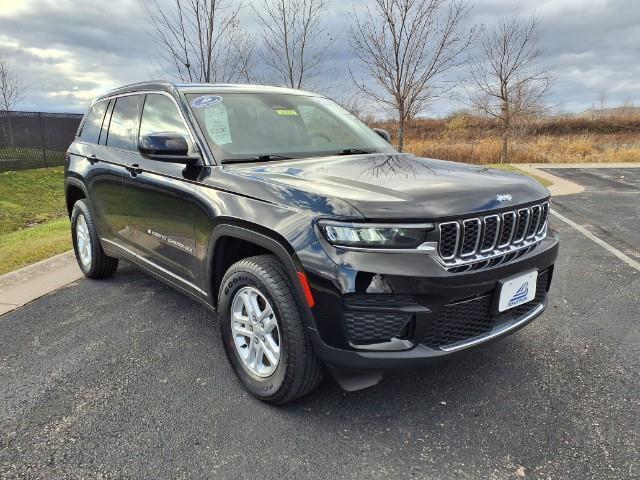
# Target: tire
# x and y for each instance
(297, 371)
(91, 258)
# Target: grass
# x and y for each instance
(30, 197)
(33, 223)
(30, 245)
(544, 149)
(463, 138)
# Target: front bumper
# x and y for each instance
(395, 318)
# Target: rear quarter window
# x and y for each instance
(90, 132)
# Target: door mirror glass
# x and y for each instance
(383, 133)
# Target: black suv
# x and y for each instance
(319, 245)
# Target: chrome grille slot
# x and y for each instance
(544, 214)
(508, 226)
(449, 235)
(476, 243)
(521, 225)
(490, 232)
(533, 222)
(470, 236)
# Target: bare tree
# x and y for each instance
(354, 104)
(295, 43)
(505, 81)
(602, 101)
(11, 87)
(627, 108)
(201, 40)
(406, 46)
(11, 91)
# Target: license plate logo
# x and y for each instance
(518, 290)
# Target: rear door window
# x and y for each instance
(91, 129)
(124, 121)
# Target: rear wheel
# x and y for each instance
(262, 331)
(91, 258)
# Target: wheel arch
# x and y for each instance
(74, 190)
(263, 241)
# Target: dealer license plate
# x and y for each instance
(517, 290)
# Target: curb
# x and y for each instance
(583, 165)
(26, 284)
(559, 187)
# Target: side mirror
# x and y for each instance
(166, 147)
(383, 133)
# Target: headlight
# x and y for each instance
(374, 235)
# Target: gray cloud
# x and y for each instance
(67, 52)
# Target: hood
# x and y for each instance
(386, 186)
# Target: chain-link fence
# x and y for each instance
(35, 139)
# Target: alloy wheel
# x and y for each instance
(83, 241)
(255, 331)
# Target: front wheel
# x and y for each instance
(91, 258)
(262, 331)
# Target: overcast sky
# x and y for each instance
(69, 51)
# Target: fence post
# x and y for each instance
(42, 144)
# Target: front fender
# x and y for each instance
(268, 240)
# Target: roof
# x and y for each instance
(199, 87)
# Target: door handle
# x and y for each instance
(134, 169)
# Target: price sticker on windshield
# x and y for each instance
(286, 112)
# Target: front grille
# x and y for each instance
(469, 318)
(487, 241)
(460, 321)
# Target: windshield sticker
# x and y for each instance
(216, 121)
(286, 112)
(206, 101)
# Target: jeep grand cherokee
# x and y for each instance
(320, 247)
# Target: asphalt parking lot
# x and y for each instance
(609, 207)
(127, 379)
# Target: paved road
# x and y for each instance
(609, 207)
(127, 379)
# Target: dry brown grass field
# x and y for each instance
(463, 138)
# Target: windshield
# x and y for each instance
(265, 126)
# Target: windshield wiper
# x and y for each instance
(271, 156)
(265, 157)
(354, 151)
